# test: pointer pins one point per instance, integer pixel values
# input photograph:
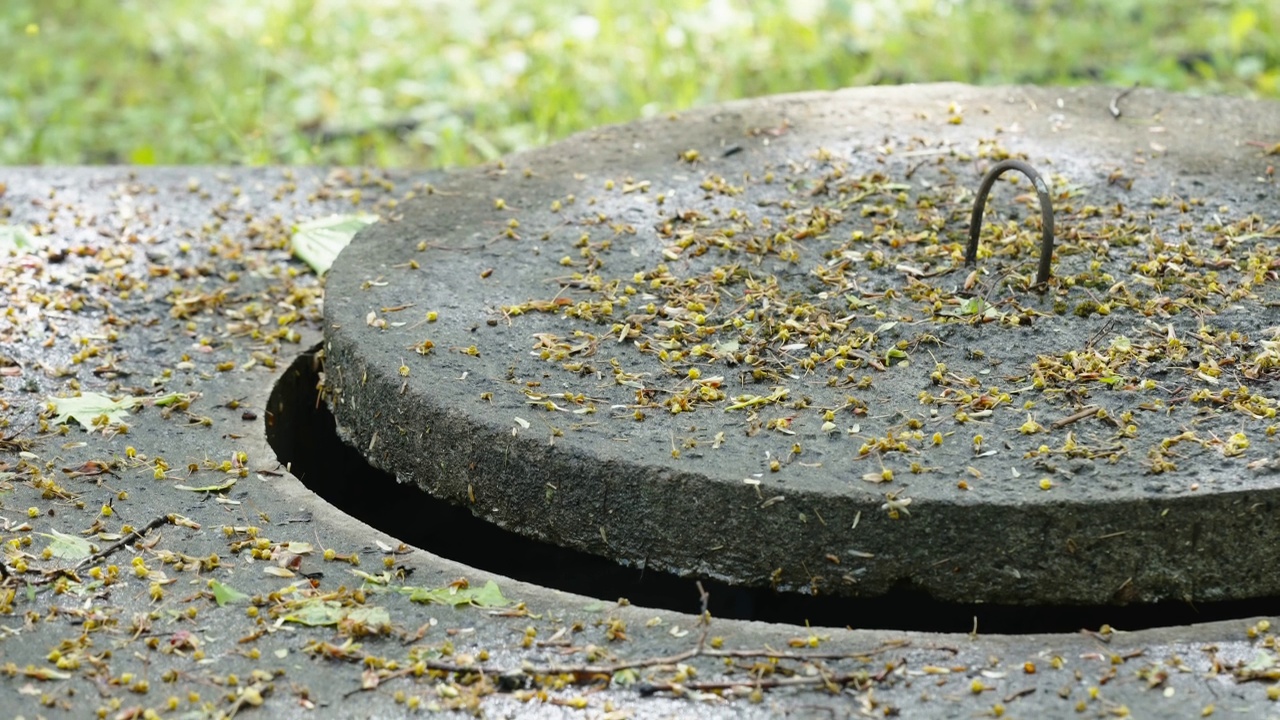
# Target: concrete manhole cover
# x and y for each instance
(742, 344)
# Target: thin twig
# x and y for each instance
(112, 548)
(696, 652)
(1106, 328)
(648, 689)
(704, 618)
(1082, 413)
(589, 673)
(788, 655)
(1018, 693)
(1114, 107)
(580, 670)
(71, 572)
(594, 673)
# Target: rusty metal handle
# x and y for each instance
(1046, 215)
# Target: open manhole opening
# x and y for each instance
(302, 431)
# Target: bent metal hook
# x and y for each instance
(1046, 215)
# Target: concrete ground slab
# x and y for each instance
(741, 344)
(145, 282)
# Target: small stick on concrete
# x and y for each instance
(1082, 413)
(704, 618)
(700, 650)
(135, 535)
(71, 572)
(647, 689)
(1114, 107)
(597, 673)
(580, 670)
(785, 655)
(1018, 693)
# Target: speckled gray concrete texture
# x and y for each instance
(741, 343)
(144, 283)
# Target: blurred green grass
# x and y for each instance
(429, 83)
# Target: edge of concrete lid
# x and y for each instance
(887, 106)
(877, 107)
(292, 490)
(882, 106)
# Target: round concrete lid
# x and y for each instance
(741, 343)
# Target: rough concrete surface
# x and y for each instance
(741, 344)
(147, 282)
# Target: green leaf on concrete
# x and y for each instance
(727, 348)
(972, 306)
(318, 242)
(625, 678)
(372, 617)
(223, 594)
(68, 547)
(316, 612)
(14, 239)
(91, 410)
(1263, 660)
(169, 399)
(488, 596)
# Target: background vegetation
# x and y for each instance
(432, 83)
